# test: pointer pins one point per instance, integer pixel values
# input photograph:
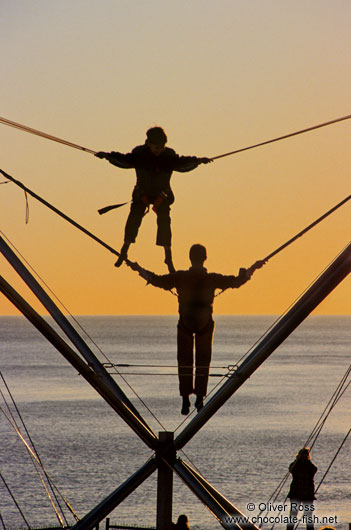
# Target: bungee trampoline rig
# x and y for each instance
(165, 444)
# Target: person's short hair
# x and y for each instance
(156, 135)
(197, 253)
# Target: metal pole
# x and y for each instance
(222, 515)
(320, 289)
(165, 456)
(134, 418)
(223, 501)
(52, 336)
(116, 497)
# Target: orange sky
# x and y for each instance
(217, 76)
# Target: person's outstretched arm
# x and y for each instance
(187, 163)
(165, 281)
(124, 161)
(220, 281)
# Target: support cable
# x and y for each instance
(341, 203)
(335, 398)
(328, 469)
(65, 217)
(2, 522)
(340, 390)
(283, 137)
(35, 455)
(36, 461)
(165, 374)
(302, 232)
(129, 365)
(14, 500)
(110, 366)
(333, 460)
(25, 128)
(61, 214)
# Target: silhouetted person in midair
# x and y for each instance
(196, 288)
(154, 164)
(301, 492)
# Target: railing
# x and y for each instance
(108, 526)
(127, 527)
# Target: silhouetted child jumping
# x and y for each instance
(154, 164)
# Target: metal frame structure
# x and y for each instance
(165, 459)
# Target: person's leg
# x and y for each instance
(136, 214)
(203, 349)
(185, 358)
(293, 514)
(164, 233)
(308, 513)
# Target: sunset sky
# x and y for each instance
(217, 76)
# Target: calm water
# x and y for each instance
(244, 450)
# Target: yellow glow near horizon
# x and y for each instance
(216, 76)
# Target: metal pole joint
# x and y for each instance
(165, 451)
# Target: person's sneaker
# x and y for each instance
(119, 261)
(168, 260)
(199, 403)
(185, 406)
(122, 256)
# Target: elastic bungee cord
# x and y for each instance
(30, 130)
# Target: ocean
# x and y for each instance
(244, 450)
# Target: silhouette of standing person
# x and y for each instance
(196, 288)
(182, 523)
(301, 492)
(154, 164)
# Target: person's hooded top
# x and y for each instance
(153, 171)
